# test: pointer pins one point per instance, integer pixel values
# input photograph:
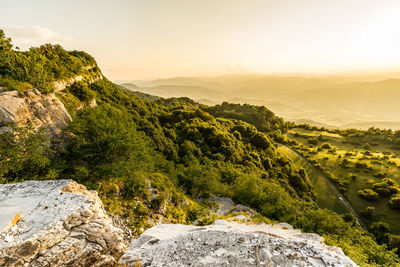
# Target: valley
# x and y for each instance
(330, 101)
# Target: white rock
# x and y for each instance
(240, 217)
(230, 244)
(225, 204)
(285, 225)
(32, 106)
(61, 224)
(62, 84)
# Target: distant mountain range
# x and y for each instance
(334, 101)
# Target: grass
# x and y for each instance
(362, 168)
(322, 185)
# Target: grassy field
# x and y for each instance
(326, 192)
(354, 162)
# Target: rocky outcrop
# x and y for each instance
(62, 84)
(56, 223)
(40, 110)
(231, 244)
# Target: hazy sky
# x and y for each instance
(148, 39)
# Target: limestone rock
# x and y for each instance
(225, 204)
(62, 84)
(40, 110)
(231, 244)
(242, 208)
(56, 223)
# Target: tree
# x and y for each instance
(368, 194)
(24, 154)
(395, 201)
(312, 140)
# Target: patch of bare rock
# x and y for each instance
(56, 223)
(31, 106)
(231, 244)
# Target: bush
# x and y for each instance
(379, 229)
(82, 91)
(326, 146)
(395, 201)
(260, 140)
(368, 194)
(368, 212)
(367, 146)
(24, 154)
(380, 174)
(312, 141)
(387, 187)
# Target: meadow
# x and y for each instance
(352, 162)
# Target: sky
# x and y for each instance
(147, 39)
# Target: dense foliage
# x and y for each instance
(149, 161)
(40, 66)
(259, 116)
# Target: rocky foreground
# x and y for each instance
(231, 244)
(60, 223)
(56, 223)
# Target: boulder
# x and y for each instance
(56, 223)
(231, 244)
(40, 110)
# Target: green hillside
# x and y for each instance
(364, 165)
(155, 160)
(41, 66)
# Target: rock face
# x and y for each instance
(231, 244)
(56, 223)
(62, 84)
(40, 110)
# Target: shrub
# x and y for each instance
(367, 146)
(260, 140)
(368, 212)
(395, 201)
(379, 229)
(367, 153)
(82, 91)
(312, 141)
(387, 187)
(368, 194)
(326, 146)
(380, 174)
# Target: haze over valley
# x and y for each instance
(331, 101)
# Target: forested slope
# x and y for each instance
(152, 161)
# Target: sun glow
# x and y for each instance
(379, 40)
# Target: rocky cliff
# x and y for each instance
(62, 84)
(231, 244)
(60, 223)
(31, 106)
(56, 223)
